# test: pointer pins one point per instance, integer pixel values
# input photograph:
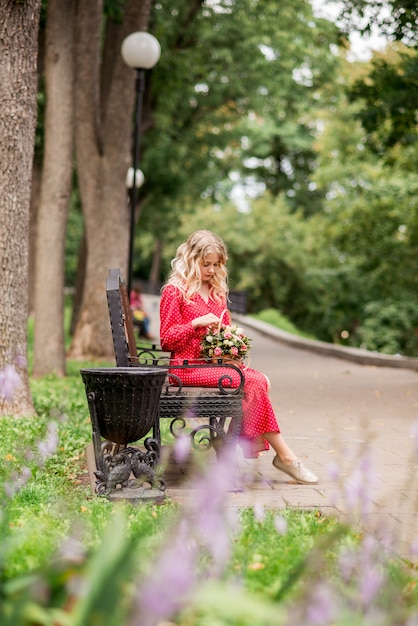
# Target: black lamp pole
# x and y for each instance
(139, 91)
(141, 52)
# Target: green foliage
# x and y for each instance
(240, 111)
(390, 327)
(374, 234)
(397, 21)
(266, 246)
(262, 555)
(389, 101)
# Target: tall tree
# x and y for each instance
(389, 91)
(243, 113)
(18, 88)
(266, 64)
(104, 101)
(55, 189)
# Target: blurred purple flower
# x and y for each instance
(72, 550)
(208, 511)
(48, 446)
(334, 471)
(414, 435)
(358, 486)
(259, 513)
(280, 524)
(347, 564)
(9, 382)
(171, 581)
(17, 482)
(321, 606)
(181, 448)
(204, 528)
(21, 361)
(413, 548)
(371, 583)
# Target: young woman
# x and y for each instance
(195, 296)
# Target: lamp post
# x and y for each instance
(141, 51)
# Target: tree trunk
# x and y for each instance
(18, 87)
(79, 283)
(103, 131)
(55, 190)
(33, 220)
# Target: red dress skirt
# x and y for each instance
(180, 338)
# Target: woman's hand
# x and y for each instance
(205, 320)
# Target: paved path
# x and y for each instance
(351, 424)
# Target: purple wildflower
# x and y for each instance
(280, 524)
(21, 361)
(370, 584)
(49, 445)
(204, 528)
(372, 575)
(413, 548)
(259, 513)
(334, 471)
(172, 580)
(208, 509)
(181, 448)
(9, 382)
(321, 608)
(17, 482)
(357, 488)
(347, 564)
(72, 550)
(414, 435)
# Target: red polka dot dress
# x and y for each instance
(180, 338)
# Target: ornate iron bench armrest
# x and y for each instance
(148, 357)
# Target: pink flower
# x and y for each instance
(227, 335)
(234, 351)
(217, 352)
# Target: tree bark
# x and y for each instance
(104, 97)
(18, 87)
(33, 219)
(55, 190)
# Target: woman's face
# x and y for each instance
(208, 266)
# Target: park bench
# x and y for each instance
(215, 413)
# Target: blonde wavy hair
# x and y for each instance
(185, 267)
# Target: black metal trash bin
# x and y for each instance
(123, 404)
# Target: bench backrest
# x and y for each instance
(121, 321)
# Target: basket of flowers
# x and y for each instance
(225, 342)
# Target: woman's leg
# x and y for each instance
(279, 445)
(286, 460)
